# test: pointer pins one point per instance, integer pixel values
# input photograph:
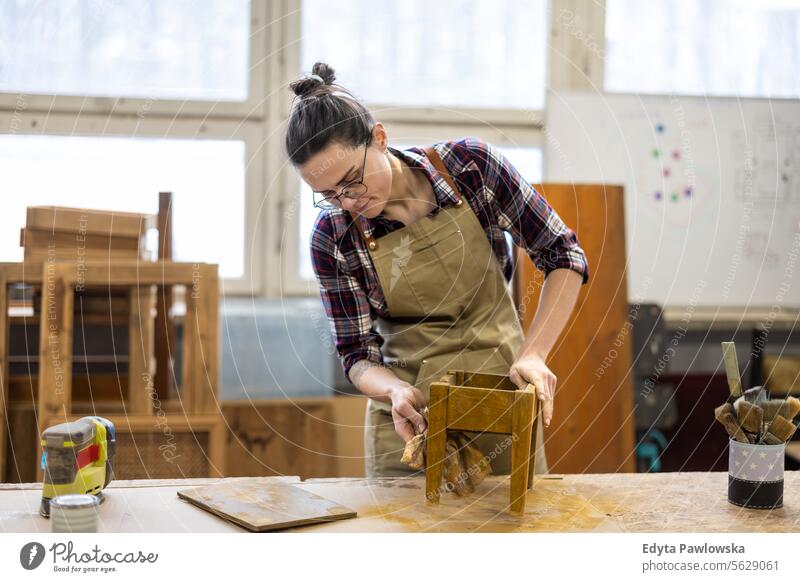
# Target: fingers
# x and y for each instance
(403, 428)
(420, 399)
(517, 379)
(547, 411)
(412, 419)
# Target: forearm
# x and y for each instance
(374, 380)
(556, 302)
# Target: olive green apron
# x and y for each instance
(450, 309)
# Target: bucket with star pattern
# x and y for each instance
(755, 475)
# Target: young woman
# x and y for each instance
(413, 265)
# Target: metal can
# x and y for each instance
(74, 513)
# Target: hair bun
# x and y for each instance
(321, 74)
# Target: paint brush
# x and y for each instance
(780, 431)
(724, 414)
(788, 408)
(751, 417)
(732, 370)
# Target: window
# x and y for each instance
(527, 160)
(449, 53)
(206, 178)
(151, 49)
(745, 48)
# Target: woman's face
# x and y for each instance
(339, 164)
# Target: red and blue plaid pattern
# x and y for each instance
(501, 199)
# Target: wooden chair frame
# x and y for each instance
(482, 403)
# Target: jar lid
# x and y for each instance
(74, 501)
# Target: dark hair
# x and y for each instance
(323, 113)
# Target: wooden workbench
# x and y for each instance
(666, 502)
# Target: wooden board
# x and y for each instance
(592, 429)
(89, 221)
(263, 505)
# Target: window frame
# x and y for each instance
(252, 107)
(271, 184)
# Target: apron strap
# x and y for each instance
(438, 163)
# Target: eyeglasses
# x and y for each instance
(351, 190)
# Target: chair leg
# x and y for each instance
(436, 441)
(535, 431)
(521, 426)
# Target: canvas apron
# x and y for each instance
(450, 309)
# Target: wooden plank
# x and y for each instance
(22, 273)
(479, 409)
(21, 460)
(436, 441)
(206, 397)
(480, 380)
(189, 369)
(103, 222)
(259, 505)
(287, 437)
(140, 346)
(125, 272)
(140, 273)
(75, 255)
(55, 341)
(594, 398)
(537, 418)
(217, 459)
(42, 239)
(522, 425)
(165, 325)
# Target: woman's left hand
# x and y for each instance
(531, 369)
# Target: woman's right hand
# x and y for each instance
(407, 401)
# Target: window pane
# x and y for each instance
(462, 53)
(527, 160)
(152, 49)
(206, 178)
(748, 48)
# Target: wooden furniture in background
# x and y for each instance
(309, 437)
(59, 233)
(199, 395)
(165, 324)
(200, 378)
(592, 429)
(485, 403)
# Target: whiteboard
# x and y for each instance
(712, 191)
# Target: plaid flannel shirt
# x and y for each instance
(501, 199)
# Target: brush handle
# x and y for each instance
(732, 369)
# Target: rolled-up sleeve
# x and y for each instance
(525, 214)
(351, 321)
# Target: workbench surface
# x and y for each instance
(661, 502)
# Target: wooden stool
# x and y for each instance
(490, 403)
(198, 410)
